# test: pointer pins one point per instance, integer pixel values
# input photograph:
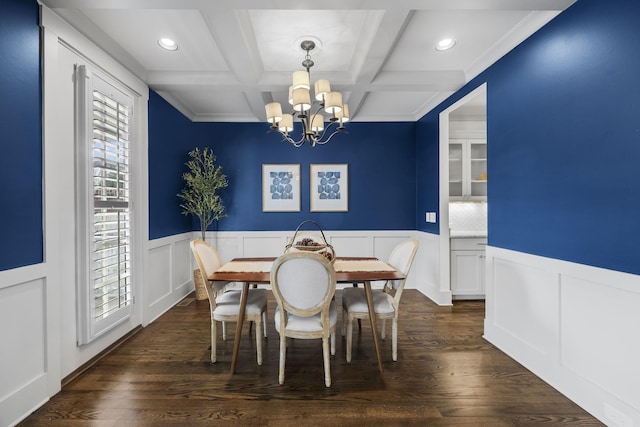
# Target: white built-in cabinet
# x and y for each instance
(468, 169)
(468, 268)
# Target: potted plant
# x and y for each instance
(200, 196)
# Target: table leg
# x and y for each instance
(372, 319)
(236, 341)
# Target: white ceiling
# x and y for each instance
(235, 56)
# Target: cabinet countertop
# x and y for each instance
(461, 234)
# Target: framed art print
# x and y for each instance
(281, 188)
(329, 188)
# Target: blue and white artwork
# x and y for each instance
(281, 188)
(281, 185)
(329, 187)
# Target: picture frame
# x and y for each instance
(281, 188)
(329, 188)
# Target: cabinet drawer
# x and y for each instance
(468, 244)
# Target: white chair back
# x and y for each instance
(401, 259)
(303, 282)
(208, 261)
(206, 256)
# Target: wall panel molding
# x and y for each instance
(25, 368)
(169, 275)
(573, 325)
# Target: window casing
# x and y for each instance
(103, 204)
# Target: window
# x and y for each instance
(104, 212)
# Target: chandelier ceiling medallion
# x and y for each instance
(314, 129)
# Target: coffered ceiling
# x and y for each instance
(235, 56)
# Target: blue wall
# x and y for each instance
(170, 139)
(563, 132)
(21, 230)
(564, 139)
(381, 159)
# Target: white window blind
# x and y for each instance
(111, 239)
(103, 192)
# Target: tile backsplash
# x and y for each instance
(468, 216)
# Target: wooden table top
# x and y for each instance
(341, 276)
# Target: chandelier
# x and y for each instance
(314, 129)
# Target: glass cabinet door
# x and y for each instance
(478, 169)
(468, 169)
(455, 170)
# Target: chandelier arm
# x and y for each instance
(326, 129)
(297, 143)
(338, 130)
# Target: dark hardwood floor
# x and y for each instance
(446, 375)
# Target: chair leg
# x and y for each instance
(333, 343)
(344, 322)
(327, 366)
(213, 341)
(283, 355)
(394, 339)
(259, 341)
(383, 333)
(224, 330)
(349, 337)
(264, 323)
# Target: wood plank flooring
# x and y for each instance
(446, 375)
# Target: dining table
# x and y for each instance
(353, 270)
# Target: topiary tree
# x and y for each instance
(202, 182)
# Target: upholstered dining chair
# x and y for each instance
(303, 284)
(386, 301)
(225, 304)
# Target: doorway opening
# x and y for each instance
(463, 191)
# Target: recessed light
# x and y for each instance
(167, 43)
(445, 44)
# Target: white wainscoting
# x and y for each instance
(575, 326)
(427, 267)
(346, 243)
(171, 263)
(170, 275)
(25, 371)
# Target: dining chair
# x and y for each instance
(303, 284)
(386, 301)
(224, 303)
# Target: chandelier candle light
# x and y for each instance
(314, 130)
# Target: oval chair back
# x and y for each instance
(304, 284)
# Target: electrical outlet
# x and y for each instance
(430, 217)
(617, 418)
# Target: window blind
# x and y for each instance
(112, 220)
